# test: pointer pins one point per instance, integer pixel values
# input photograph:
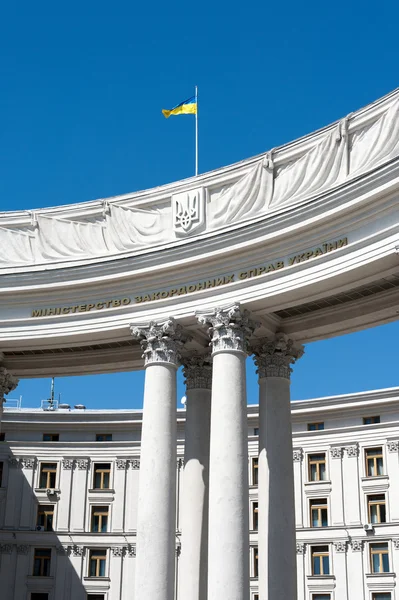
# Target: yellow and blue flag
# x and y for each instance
(188, 107)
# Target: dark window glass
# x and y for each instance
(1, 472)
(101, 476)
(315, 426)
(103, 437)
(48, 472)
(41, 563)
(95, 597)
(39, 596)
(371, 420)
(51, 437)
(2, 437)
(45, 515)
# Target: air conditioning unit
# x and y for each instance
(368, 527)
(39, 528)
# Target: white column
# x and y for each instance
(337, 490)
(355, 571)
(193, 561)
(116, 566)
(340, 570)
(393, 474)
(301, 572)
(129, 573)
(28, 504)
(228, 546)
(64, 503)
(61, 569)
(350, 468)
(131, 497)
(79, 490)
(118, 508)
(276, 537)
(156, 518)
(297, 456)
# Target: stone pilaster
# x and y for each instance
(276, 538)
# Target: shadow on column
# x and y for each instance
(35, 561)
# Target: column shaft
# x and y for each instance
(193, 565)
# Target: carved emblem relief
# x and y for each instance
(188, 209)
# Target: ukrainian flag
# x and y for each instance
(188, 107)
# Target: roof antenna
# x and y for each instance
(51, 399)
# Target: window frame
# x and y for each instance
(49, 472)
(374, 460)
(380, 503)
(101, 513)
(381, 554)
(254, 562)
(254, 515)
(316, 426)
(374, 420)
(43, 561)
(319, 507)
(317, 463)
(374, 595)
(51, 435)
(105, 558)
(46, 514)
(99, 435)
(320, 555)
(255, 471)
(32, 594)
(101, 471)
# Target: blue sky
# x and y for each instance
(82, 87)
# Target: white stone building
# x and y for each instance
(69, 484)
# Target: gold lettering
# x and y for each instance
(220, 281)
(191, 288)
(172, 292)
(280, 264)
(182, 291)
(164, 294)
(116, 303)
(229, 278)
(200, 286)
(343, 242)
(243, 275)
(65, 310)
(37, 312)
(210, 283)
(138, 299)
(82, 308)
(291, 260)
(317, 252)
(99, 305)
(270, 267)
(126, 301)
(146, 298)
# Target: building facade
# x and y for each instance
(69, 493)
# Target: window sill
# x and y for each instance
(101, 491)
(38, 582)
(380, 483)
(105, 579)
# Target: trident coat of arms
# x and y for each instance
(188, 210)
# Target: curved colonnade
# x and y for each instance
(257, 258)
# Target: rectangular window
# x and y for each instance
(379, 558)
(48, 473)
(51, 437)
(317, 467)
(374, 462)
(255, 471)
(45, 516)
(99, 519)
(97, 563)
(1, 473)
(255, 561)
(321, 597)
(41, 562)
(101, 476)
(255, 516)
(39, 596)
(381, 596)
(370, 420)
(256, 430)
(256, 597)
(2, 437)
(376, 508)
(315, 426)
(103, 437)
(95, 597)
(318, 513)
(320, 560)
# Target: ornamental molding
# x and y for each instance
(340, 546)
(5, 548)
(273, 356)
(352, 451)
(8, 383)
(22, 549)
(395, 542)
(131, 551)
(180, 463)
(197, 370)
(67, 463)
(15, 463)
(82, 463)
(121, 464)
(62, 550)
(76, 550)
(393, 445)
(134, 463)
(28, 463)
(161, 342)
(118, 551)
(229, 328)
(357, 545)
(297, 454)
(300, 548)
(336, 451)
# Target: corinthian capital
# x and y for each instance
(229, 327)
(274, 356)
(197, 370)
(160, 342)
(8, 383)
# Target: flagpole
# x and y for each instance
(196, 131)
